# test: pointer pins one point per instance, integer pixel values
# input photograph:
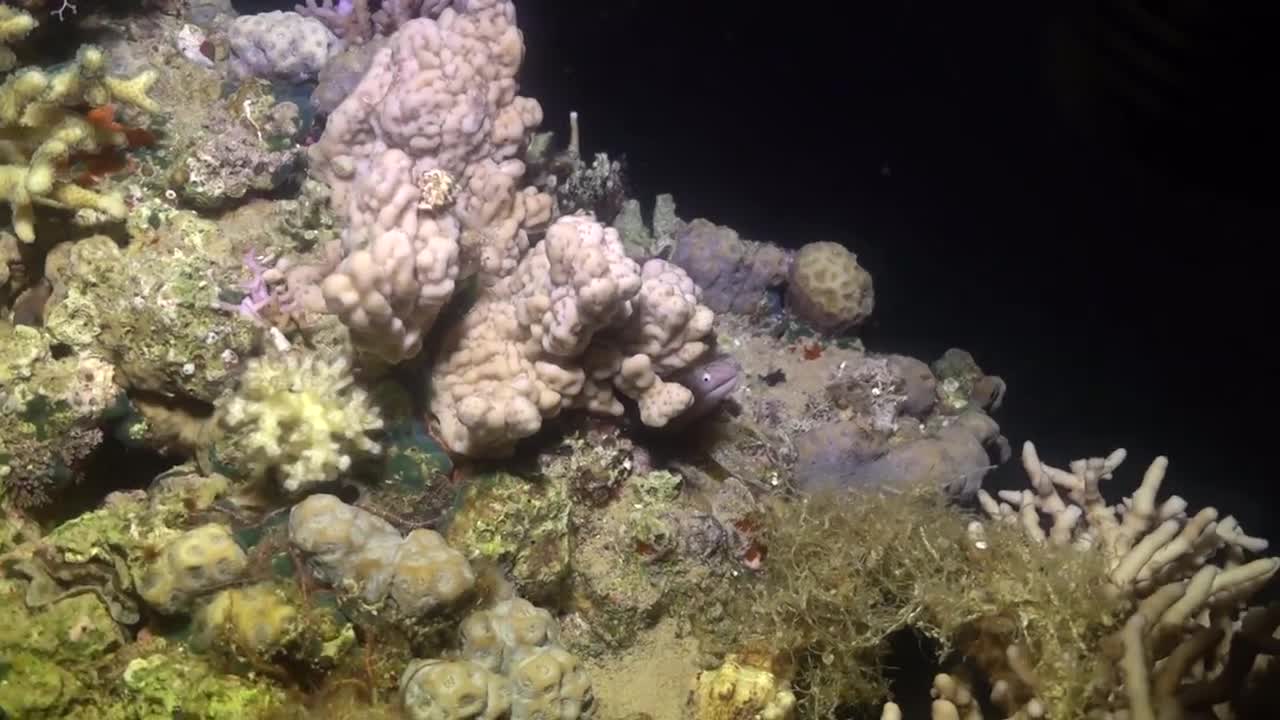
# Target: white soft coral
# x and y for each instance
(299, 415)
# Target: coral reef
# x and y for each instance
(404, 412)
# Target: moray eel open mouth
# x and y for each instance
(710, 382)
(717, 393)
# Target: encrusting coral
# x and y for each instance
(415, 576)
(512, 665)
(41, 128)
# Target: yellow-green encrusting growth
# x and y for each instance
(828, 606)
(42, 125)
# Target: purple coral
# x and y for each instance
(734, 273)
(257, 295)
(354, 22)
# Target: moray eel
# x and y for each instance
(710, 382)
(29, 307)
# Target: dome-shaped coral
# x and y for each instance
(829, 289)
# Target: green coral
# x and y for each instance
(46, 655)
(103, 552)
(152, 306)
(522, 525)
(35, 688)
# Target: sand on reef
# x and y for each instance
(652, 677)
(799, 399)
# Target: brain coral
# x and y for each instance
(829, 289)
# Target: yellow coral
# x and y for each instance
(828, 289)
(39, 131)
(191, 564)
(256, 618)
(14, 24)
(735, 691)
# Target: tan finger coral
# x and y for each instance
(42, 126)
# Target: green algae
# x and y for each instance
(173, 683)
(521, 525)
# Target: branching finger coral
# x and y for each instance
(42, 129)
(1189, 577)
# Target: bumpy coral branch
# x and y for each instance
(41, 127)
(422, 162)
(576, 320)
